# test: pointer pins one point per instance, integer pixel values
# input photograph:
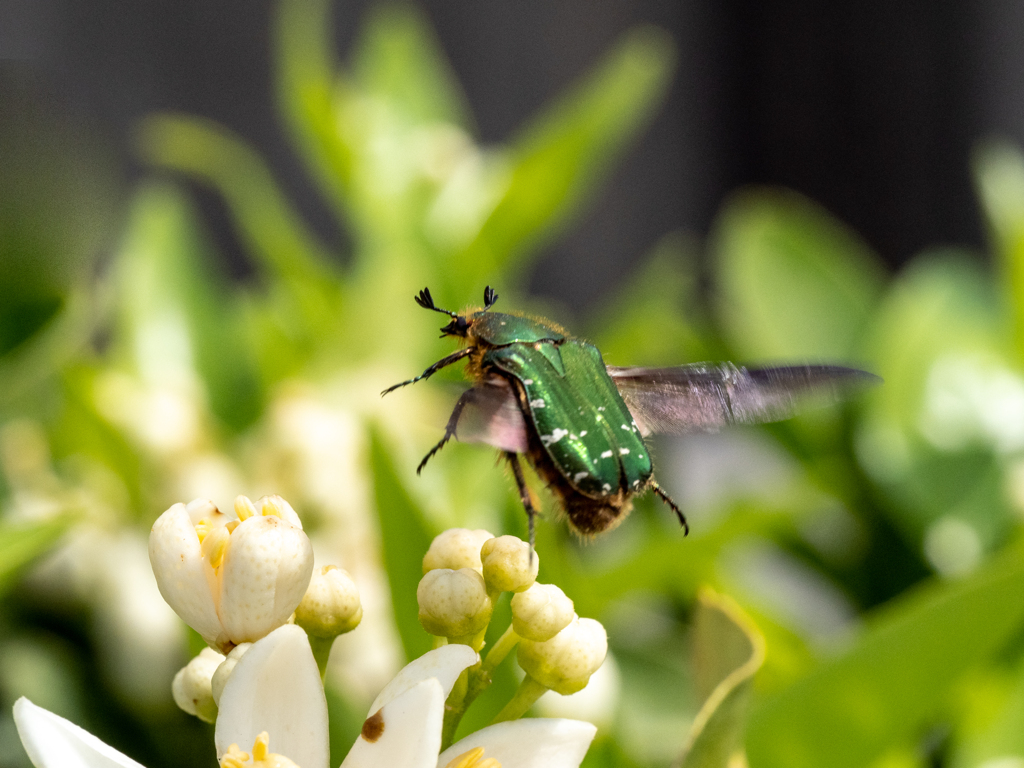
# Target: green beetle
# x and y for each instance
(541, 393)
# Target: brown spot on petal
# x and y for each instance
(373, 728)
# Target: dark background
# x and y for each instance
(871, 108)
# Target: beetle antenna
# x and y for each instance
(426, 301)
(490, 296)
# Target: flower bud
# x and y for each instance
(510, 565)
(220, 677)
(331, 605)
(541, 612)
(565, 662)
(456, 548)
(233, 581)
(192, 688)
(453, 603)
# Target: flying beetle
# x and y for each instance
(540, 393)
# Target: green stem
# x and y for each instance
(454, 708)
(476, 642)
(501, 649)
(321, 652)
(440, 642)
(529, 691)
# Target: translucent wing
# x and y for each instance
(706, 397)
(489, 413)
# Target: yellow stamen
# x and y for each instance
(203, 527)
(261, 747)
(234, 758)
(474, 759)
(244, 508)
(231, 525)
(270, 507)
(215, 544)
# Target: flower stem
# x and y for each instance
(501, 649)
(454, 709)
(439, 642)
(321, 652)
(529, 691)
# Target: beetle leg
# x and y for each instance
(524, 493)
(672, 505)
(452, 358)
(453, 423)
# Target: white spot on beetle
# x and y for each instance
(583, 433)
(625, 427)
(640, 455)
(527, 382)
(554, 437)
(606, 487)
(600, 407)
(606, 455)
(636, 483)
(623, 451)
(538, 403)
(579, 476)
(572, 436)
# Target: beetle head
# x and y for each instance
(459, 326)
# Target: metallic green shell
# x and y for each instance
(579, 416)
(498, 329)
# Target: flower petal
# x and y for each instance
(404, 733)
(53, 742)
(529, 743)
(177, 560)
(275, 687)
(445, 664)
(266, 570)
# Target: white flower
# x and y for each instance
(232, 581)
(275, 688)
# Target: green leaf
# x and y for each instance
(889, 686)
(560, 159)
(1001, 737)
(301, 304)
(21, 543)
(168, 282)
(728, 650)
(999, 178)
(648, 322)
(267, 223)
(398, 58)
(937, 330)
(305, 72)
(53, 344)
(405, 538)
(793, 282)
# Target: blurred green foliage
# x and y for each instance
(879, 553)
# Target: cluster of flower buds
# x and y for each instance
(236, 579)
(464, 574)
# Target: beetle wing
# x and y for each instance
(706, 397)
(491, 415)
